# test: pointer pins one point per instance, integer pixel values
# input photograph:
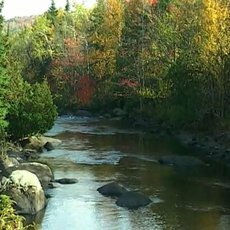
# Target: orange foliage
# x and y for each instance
(153, 2)
(85, 90)
(68, 69)
(129, 83)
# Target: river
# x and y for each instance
(97, 151)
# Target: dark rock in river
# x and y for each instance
(66, 181)
(133, 200)
(112, 189)
(181, 161)
(48, 146)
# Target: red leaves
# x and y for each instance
(85, 90)
(129, 83)
(68, 73)
(153, 2)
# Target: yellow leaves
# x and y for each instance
(107, 27)
(215, 26)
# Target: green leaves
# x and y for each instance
(3, 77)
(31, 111)
(8, 219)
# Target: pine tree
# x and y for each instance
(67, 6)
(52, 12)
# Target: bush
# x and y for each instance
(8, 219)
(31, 109)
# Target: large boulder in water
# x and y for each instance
(112, 189)
(39, 142)
(181, 161)
(25, 189)
(133, 200)
(42, 171)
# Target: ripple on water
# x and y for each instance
(86, 125)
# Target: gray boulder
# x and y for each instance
(48, 146)
(133, 200)
(6, 162)
(42, 171)
(25, 189)
(38, 142)
(112, 189)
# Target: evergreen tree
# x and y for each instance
(67, 6)
(52, 12)
(133, 60)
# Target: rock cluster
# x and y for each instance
(125, 198)
(26, 181)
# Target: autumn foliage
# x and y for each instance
(85, 90)
(170, 56)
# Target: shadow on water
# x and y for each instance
(97, 152)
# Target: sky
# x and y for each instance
(13, 8)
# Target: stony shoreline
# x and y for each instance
(24, 178)
(210, 147)
(214, 148)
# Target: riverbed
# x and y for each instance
(97, 151)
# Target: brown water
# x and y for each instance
(97, 152)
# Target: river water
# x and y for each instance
(97, 151)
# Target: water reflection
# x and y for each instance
(97, 152)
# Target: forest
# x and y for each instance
(166, 60)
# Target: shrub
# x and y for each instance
(8, 219)
(31, 108)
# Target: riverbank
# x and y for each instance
(211, 147)
(22, 177)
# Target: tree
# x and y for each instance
(31, 109)
(3, 75)
(214, 55)
(67, 6)
(70, 67)
(52, 12)
(135, 49)
(103, 38)
(34, 49)
(178, 29)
